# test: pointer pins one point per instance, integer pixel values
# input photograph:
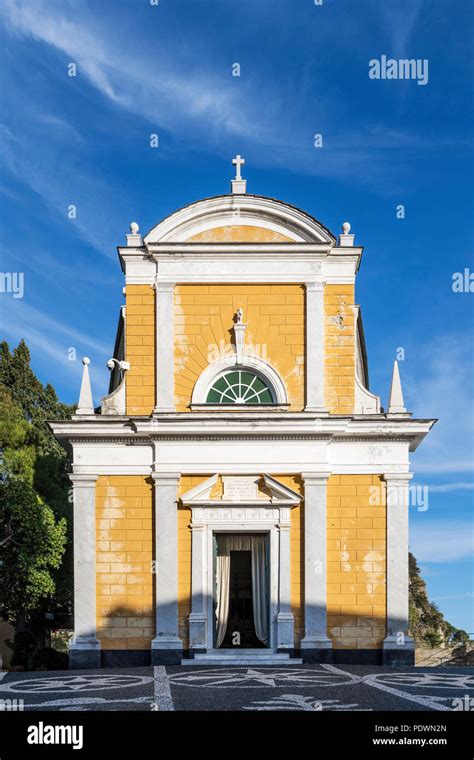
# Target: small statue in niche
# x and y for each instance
(239, 315)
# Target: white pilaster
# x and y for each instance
(285, 617)
(166, 562)
(85, 647)
(315, 564)
(397, 643)
(198, 616)
(164, 308)
(315, 348)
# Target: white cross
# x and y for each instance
(238, 162)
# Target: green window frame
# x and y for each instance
(240, 386)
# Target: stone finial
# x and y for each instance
(86, 404)
(396, 404)
(134, 238)
(346, 239)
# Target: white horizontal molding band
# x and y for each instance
(274, 456)
(262, 267)
(200, 277)
(96, 470)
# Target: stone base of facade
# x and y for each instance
(316, 655)
(136, 658)
(398, 654)
(166, 656)
(399, 658)
(125, 658)
(357, 657)
(344, 656)
(84, 657)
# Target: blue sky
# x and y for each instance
(167, 69)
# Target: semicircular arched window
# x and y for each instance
(240, 387)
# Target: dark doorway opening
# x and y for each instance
(241, 619)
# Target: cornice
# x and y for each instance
(248, 427)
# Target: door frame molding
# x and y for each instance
(208, 520)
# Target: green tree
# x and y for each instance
(38, 402)
(32, 454)
(19, 457)
(32, 545)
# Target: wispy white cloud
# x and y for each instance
(61, 124)
(50, 341)
(466, 595)
(132, 81)
(441, 542)
(448, 487)
(60, 184)
(205, 109)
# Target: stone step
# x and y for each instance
(243, 659)
(245, 654)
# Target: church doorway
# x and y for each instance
(241, 601)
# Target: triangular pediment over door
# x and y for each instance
(253, 489)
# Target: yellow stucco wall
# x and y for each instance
(356, 561)
(239, 233)
(274, 315)
(140, 349)
(356, 570)
(339, 330)
(124, 546)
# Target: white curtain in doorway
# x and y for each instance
(232, 542)
(259, 588)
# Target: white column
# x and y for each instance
(84, 651)
(164, 308)
(398, 646)
(198, 616)
(315, 564)
(166, 644)
(315, 348)
(285, 617)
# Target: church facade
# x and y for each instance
(240, 496)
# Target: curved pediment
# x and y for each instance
(240, 219)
